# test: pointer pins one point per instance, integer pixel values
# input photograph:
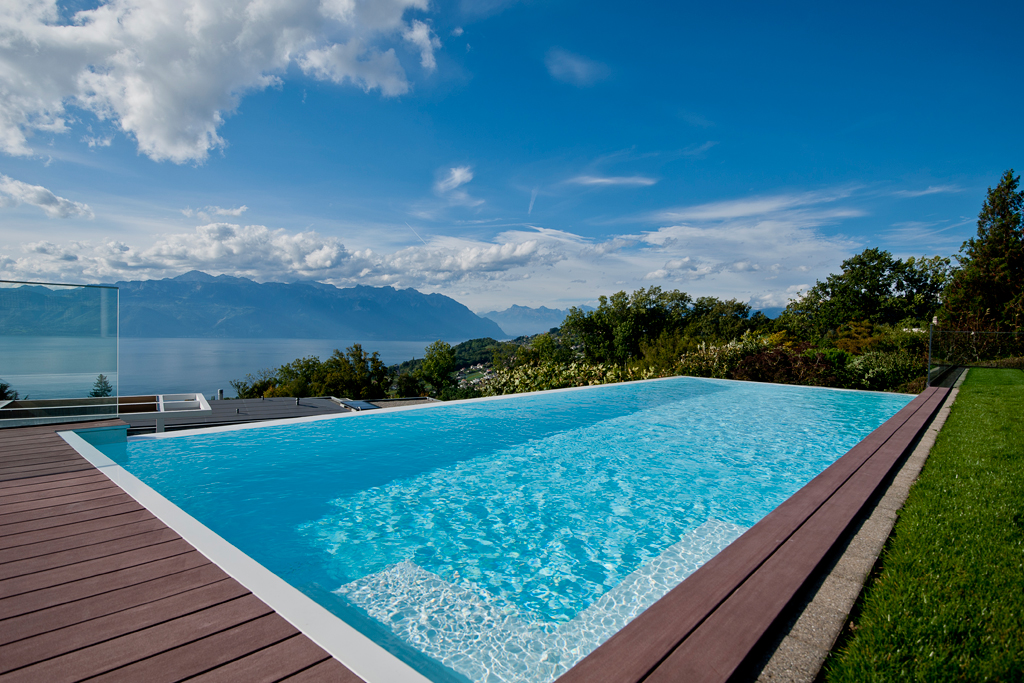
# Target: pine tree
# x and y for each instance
(101, 388)
(987, 290)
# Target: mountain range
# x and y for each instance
(522, 320)
(196, 304)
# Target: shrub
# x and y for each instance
(552, 375)
(787, 365)
(885, 371)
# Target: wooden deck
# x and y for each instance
(92, 585)
(706, 629)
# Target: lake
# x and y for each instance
(65, 367)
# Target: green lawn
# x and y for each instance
(948, 604)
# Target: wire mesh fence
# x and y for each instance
(973, 349)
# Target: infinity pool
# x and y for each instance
(504, 539)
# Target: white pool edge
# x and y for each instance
(439, 404)
(359, 653)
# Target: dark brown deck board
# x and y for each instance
(54, 481)
(330, 671)
(113, 498)
(54, 551)
(84, 634)
(38, 536)
(139, 645)
(267, 665)
(99, 584)
(93, 585)
(202, 655)
(46, 500)
(51, 521)
(99, 566)
(64, 614)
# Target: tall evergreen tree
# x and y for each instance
(101, 388)
(987, 290)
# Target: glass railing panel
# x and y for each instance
(58, 352)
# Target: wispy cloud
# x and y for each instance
(696, 119)
(460, 175)
(574, 69)
(626, 181)
(14, 192)
(931, 189)
(207, 212)
(448, 186)
(698, 150)
(925, 235)
(755, 206)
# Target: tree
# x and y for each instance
(353, 374)
(987, 288)
(255, 386)
(296, 378)
(101, 388)
(623, 322)
(438, 366)
(873, 287)
(6, 393)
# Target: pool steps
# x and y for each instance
(484, 637)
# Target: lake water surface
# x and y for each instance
(64, 367)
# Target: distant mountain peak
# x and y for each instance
(523, 320)
(200, 276)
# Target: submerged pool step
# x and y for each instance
(484, 637)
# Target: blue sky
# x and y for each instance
(533, 153)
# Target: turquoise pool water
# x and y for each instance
(503, 540)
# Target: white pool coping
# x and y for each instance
(441, 404)
(359, 653)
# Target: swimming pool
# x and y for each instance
(505, 539)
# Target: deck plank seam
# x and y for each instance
(97, 575)
(82, 542)
(104, 553)
(93, 578)
(128, 500)
(68, 533)
(128, 606)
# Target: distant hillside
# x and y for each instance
(199, 305)
(522, 320)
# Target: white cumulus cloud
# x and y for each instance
(167, 73)
(731, 251)
(14, 192)
(422, 36)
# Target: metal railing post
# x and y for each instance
(928, 375)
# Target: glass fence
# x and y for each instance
(58, 352)
(949, 349)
